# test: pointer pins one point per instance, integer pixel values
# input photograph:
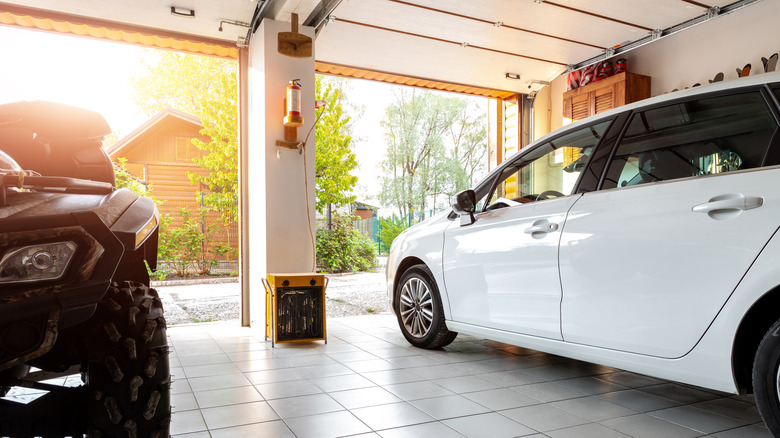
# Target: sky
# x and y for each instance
(43, 66)
(96, 75)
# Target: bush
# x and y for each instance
(365, 251)
(181, 246)
(390, 229)
(184, 248)
(344, 248)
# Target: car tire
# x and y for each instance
(419, 310)
(766, 378)
(128, 375)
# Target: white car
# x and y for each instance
(643, 238)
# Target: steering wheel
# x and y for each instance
(648, 161)
(502, 203)
(547, 193)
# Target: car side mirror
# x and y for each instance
(465, 204)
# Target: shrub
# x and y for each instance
(181, 246)
(390, 229)
(365, 252)
(344, 248)
(184, 248)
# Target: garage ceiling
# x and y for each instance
(467, 42)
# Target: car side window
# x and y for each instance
(549, 171)
(699, 137)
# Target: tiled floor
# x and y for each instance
(367, 381)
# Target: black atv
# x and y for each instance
(74, 285)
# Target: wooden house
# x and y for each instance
(160, 153)
(363, 210)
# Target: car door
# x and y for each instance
(686, 205)
(502, 271)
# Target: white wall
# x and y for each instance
(279, 223)
(720, 45)
(694, 55)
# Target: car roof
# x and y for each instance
(746, 82)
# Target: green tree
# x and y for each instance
(433, 145)
(335, 159)
(206, 87)
(467, 158)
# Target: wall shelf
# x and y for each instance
(612, 92)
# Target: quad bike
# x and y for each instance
(74, 285)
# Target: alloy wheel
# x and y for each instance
(416, 307)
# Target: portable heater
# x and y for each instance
(295, 307)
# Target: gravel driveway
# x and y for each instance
(188, 302)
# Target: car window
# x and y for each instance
(699, 137)
(550, 170)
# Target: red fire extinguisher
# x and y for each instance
(293, 116)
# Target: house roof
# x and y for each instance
(120, 146)
(363, 205)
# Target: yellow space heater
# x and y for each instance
(295, 307)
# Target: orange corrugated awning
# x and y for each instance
(39, 19)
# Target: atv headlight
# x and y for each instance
(45, 261)
(144, 232)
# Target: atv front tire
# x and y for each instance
(128, 373)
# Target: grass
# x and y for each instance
(196, 320)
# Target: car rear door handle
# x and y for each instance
(724, 206)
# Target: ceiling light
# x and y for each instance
(182, 12)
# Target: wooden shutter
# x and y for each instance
(580, 107)
(605, 99)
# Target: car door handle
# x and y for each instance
(541, 228)
(725, 203)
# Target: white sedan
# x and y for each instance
(642, 238)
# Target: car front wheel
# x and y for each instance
(766, 379)
(419, 310)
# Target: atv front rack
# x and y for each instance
(23, 180)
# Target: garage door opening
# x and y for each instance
(174, 122)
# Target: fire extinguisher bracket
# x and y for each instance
(293, 121)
